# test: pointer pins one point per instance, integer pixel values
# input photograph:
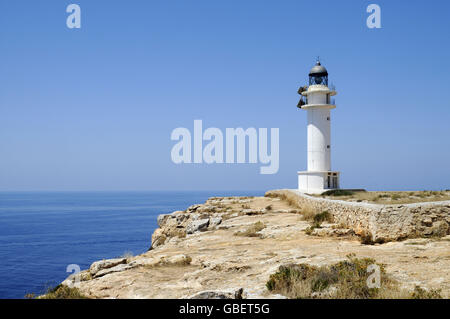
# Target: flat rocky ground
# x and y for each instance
(217, 259)
(393, 198)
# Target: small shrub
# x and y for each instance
(348, 279)
(310, 229)
(323, 216)
(366, 238)
(269, 207)
(63, 292)
(420, 293)
(252, 231)
(317, 221)
(323, 279)
(286, 276)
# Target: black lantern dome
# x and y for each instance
(318, 75)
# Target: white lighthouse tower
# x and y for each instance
(316, 100)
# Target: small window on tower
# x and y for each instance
(328, 146)
(328, 118)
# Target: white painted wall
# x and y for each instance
(315, 179)
(312, 181)
(319, 155)
(317, 97)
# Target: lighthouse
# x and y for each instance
(316, 100)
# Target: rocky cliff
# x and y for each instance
(229, 247)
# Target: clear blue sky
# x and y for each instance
(93, 109)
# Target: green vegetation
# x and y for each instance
(420, 293)
(60, 292)
(317, 220)
(323, 216)
(343, 280)
(338, 192)
(311, 228)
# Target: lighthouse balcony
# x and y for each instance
(305, 103)
(330, 90)
(318, 106)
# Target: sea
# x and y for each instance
(45, 235)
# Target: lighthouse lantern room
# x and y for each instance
(316, 99)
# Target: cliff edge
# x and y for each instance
(229, 247)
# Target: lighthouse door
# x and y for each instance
(335, 182)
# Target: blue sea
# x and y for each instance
(41, 233)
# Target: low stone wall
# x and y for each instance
(382, 222)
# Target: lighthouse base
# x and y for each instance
(317, 182)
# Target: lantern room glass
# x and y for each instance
(318, 80)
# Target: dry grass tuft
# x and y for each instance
(308, 212)
(252, 231)
(185, 261)
(62, 292)
(290, 199)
